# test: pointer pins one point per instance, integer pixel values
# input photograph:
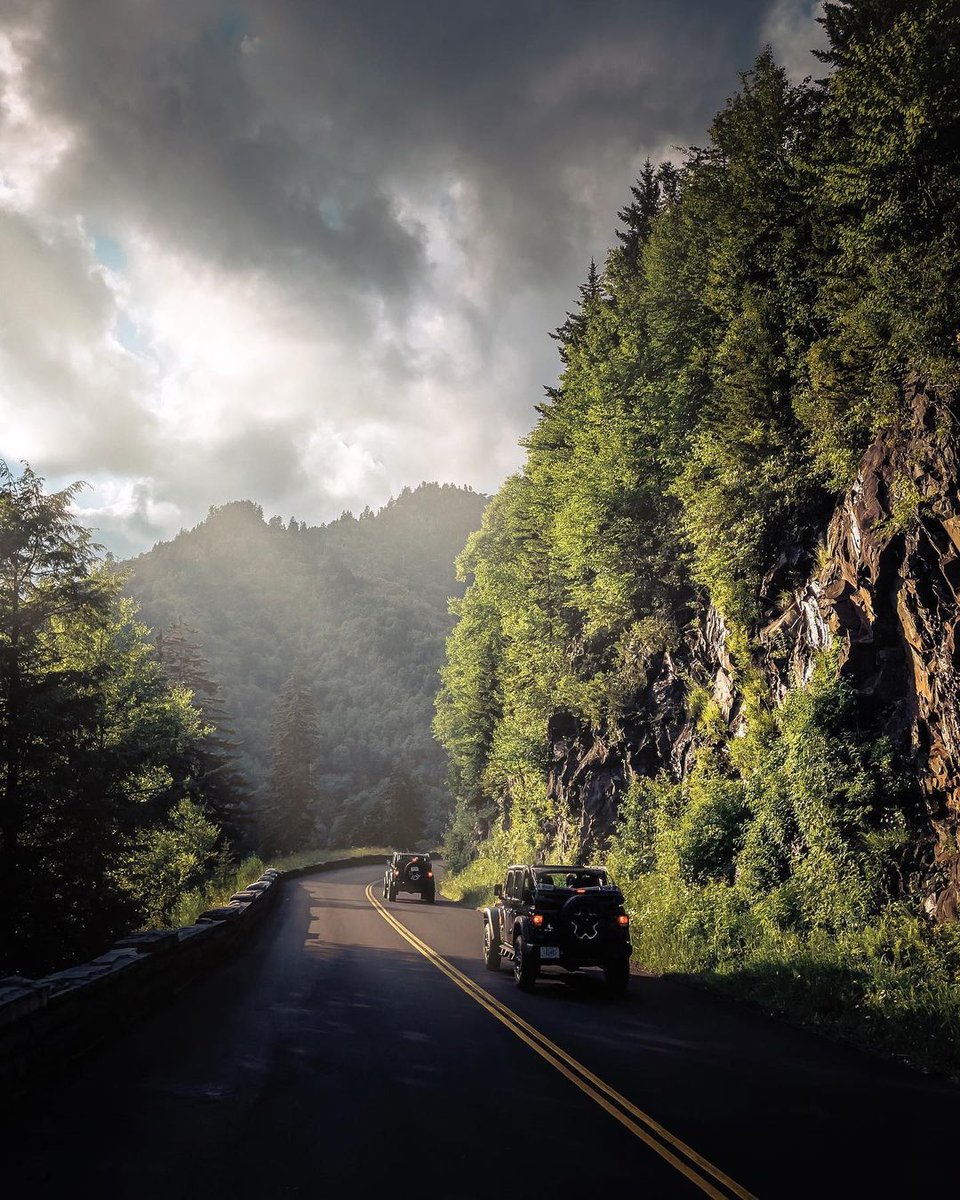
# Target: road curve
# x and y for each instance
(340, 1051)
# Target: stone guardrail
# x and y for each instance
(47, 1022)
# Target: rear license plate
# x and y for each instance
(549, 951)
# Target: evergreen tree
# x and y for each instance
(290, 810)
(571, 331)
(638, 215)
(46, 565)
(221, 786)
(94, 748)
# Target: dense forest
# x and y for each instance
(109, 775)
(324, 644)
(711, 628)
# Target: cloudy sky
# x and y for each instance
(307, 252)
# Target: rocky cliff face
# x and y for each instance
(885, 592)
(890, 597)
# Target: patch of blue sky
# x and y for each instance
(109, 253)
(129, 336)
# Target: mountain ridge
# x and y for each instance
(359, 606)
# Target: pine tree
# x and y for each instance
(289, 812)
(221, 786)
(638, 216)
(571, 331)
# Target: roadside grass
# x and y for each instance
(892, 985)
(907, 1009)
(306, 858)
(474, 884)
(229, 878)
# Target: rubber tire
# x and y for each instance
(430, 896)
(525, 968)
(491, 948)
(392, 893)
(617, 976)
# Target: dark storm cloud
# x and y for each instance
(416, 187)
(274, 134)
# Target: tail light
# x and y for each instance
(429, 874)
(537, 918)
(623, 919)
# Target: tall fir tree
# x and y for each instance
(289, 813)
(222, 788)
(638, 216)
(568, 334)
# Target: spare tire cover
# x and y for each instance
(584, 914)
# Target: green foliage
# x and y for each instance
(392, 810)
(711, 830)
(795, 832)
(166, 861)
(96, 748)
(311, 856)
(219, 780)
(723, 376)
(224, 878)
(288, 815)
(885, 172)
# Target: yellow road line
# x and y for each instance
(638, 1122)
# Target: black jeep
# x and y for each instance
(568, 917)
(407, 872)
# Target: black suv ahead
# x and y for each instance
(567, 917)
(409, 873)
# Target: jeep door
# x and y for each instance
(507, 906)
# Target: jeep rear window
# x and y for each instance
(572, 878)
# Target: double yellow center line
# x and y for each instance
(708, 1178)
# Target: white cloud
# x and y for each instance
(307, 256)
(792, 29)
(31, 146)
(69, 392)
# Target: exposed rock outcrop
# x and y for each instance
(590, 772)
(891, 598)
(885, 592)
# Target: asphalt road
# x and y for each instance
(338, 1052)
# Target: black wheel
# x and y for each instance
(392, 892)
(491, 948)
(430, 896)
(524, 966)
(617, 975)
(384, 889)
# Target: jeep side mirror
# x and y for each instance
(498, 890)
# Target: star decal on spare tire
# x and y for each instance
(584, 926)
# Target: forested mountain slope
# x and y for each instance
(357, 609)
(711, 629)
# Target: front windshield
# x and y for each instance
(570, 877)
